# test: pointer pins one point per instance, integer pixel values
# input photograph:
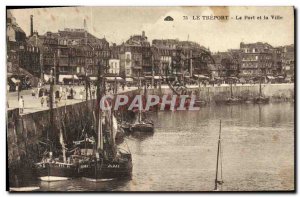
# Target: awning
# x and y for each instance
(270, 77)
(62, 77)
(154, 77)
(234, 78)
(15, 80)
(93, 78)
(114, 78)
(201, 76)
(128, 79)
(280, 77)
(138, 78)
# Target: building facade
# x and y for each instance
(256, 59)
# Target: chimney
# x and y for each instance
(143, 34)
(31, 25)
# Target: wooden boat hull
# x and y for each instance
(142, 128)
(248, 101)
(199, 103)
(105, 170)
(233, 101)
(56, 171)
(263, 100)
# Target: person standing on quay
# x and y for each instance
(21, 105)
(81, 95)
(60, 91)
(42, 101)
(33, 93)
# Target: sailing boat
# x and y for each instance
(219, 174)
(108, 162)
(261, 99)
(232, 100)
(142, 125)
(199, 102)
(50, 168)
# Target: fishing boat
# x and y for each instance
(261, 99)
(140, 124)
(108, 162)
(232, 100)
(199, 102)
(54, 167)
(219, 174)
(50, 169)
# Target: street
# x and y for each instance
(33, 104)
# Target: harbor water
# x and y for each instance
(257, 149)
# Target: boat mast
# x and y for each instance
(100, 87)
(219, 156)
(199, 88)
(260, 87)
(231, 95)
(51, 109)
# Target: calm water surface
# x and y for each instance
(258, 152)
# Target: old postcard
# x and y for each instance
(150, 99)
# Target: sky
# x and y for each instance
(116, 24)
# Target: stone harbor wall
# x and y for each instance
(276, 92)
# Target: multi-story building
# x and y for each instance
(22, 57)
(114, 67)
(226, 64)
(181, 57)
(256, 59)
(126, 64)
(277, 61)
(165, 50)
(288, 61)
(136, 57)
(71, 52)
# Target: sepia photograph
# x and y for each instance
(150, 99)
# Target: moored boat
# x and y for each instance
(54, 168)
(261, 99)
(108, 162)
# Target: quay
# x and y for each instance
(209, 93)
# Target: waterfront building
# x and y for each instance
(256, 60)
(71, 52)
(288, 61)
(181, 57)
(22, 57)
(114, 67)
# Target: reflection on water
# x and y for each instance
(258, 152)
